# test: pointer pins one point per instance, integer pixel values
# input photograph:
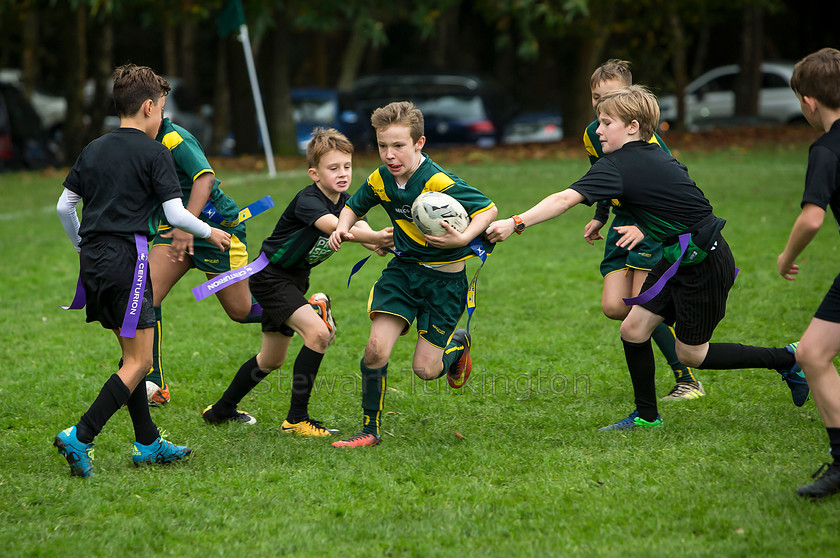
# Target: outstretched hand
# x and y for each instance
(219, 239)
(630, 236)
(788, 270)
(337, 237)
(592, 231)
(182, 243)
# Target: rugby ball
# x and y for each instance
(430, 208)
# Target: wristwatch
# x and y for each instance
(519, 225)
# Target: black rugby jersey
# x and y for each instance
(822, 180)
(655, 189)
(123, 178)
(296, 242)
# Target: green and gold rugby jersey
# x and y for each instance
(380, 188)
(595, 152)
(656, 191)
(191, 162)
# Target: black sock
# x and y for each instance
(145, 430)
(112, 396)
(303, 378)
(834, 442)
(248, 376)
(642, 367)
(374, 382)
(732, 356)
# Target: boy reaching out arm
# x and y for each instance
(692, 283)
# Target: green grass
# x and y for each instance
(529, 474)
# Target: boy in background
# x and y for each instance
(628, 254)
(816, 81)
(298, 243)
(123, 178)
(690, 284)
(427, 281)
(174, 252)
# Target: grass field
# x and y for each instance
(511, 465)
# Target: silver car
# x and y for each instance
(710, 99)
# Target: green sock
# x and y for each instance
(156, 373)
(374, 382)
(255, 315)
(451, 353)
(666, 341)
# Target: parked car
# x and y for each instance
(315, 107)
(458, 109)
(534, 127)
(23, 142)
(710, 99)
(52, 109)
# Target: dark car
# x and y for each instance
(458, 109)
(316, 107)
(534, 127)
(23, 142)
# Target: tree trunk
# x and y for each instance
(74, 130)
(351, 58)
(221, 98)
(679, 64)
(575, 96)
(103, 67)
(748, 83)
(243, 114)
(281, 126)
(188, 65)
(30, 62)
(170, 49)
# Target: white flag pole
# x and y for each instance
(255, 90)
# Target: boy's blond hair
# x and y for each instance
(133, 85)
(818, 76)
(401, 113)
(613, 68)
(627, 104)
(323, 141)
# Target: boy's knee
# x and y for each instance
(425, 373)
(376, 354)
(811, 359)
(317, 339)
(633, 332)
(238, 314)
(615, 311)
(689, 357)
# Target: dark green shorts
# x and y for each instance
(208, 258)
(643, 256)
(435, 298)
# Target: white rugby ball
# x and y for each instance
(430, 208)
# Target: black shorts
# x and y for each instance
(694, 300)
(280, 292)
(107, 265)
(829, 309)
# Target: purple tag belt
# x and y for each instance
(138, 287)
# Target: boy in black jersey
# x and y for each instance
(298, 243)
(690, 284)
(816, 81)
(123, 179)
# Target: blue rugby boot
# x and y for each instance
(79, 455)
(159, 451)
(795, 379)
(633, 420)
